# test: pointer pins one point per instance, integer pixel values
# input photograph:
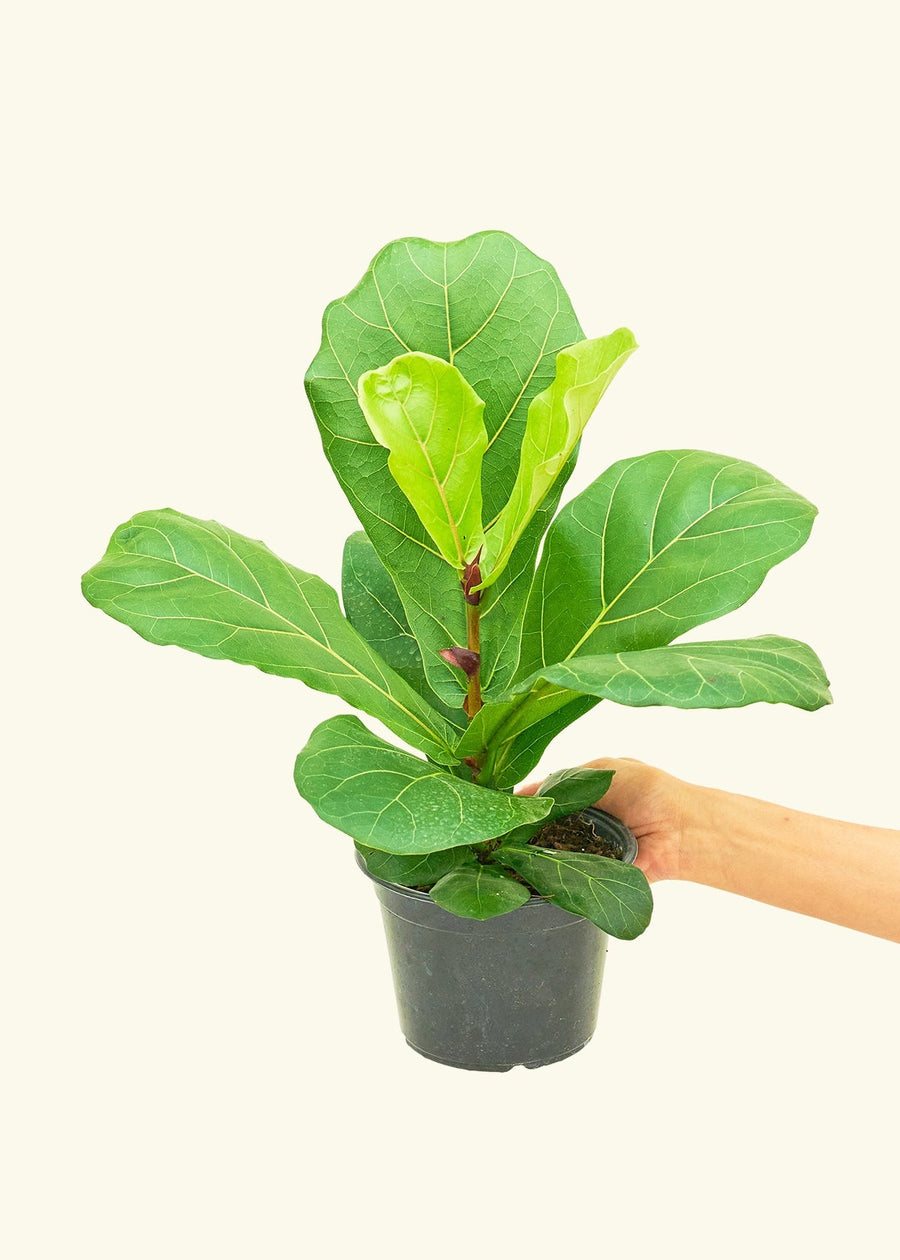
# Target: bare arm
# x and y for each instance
(839, 871)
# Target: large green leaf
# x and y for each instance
(178, 580)
(373, 607)
(723, 675)
(414, 870)
(614, 896)
(556, 421)
(389, 799)
(429, 417)
(653, 547)
(480, 891)
(499, 314)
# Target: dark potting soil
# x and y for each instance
(575, 834)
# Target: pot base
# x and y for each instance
(506, 1067)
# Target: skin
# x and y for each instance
(838, 871)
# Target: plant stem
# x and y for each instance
(473, 643)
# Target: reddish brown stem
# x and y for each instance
(473, 643)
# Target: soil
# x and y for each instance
(575, 834)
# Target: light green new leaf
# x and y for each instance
(178, 580)
(653, 547)
(498, 313)
(479, 892)
(723, 675)
(431, 420)
(414, 870)
(556, 421)
(614, 896)
(390, 800)
(373, 607)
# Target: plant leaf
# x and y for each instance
(431, 420)
(479, 892)
(571, 791)
(653, 547)
(556, 421)
(419, 870)
(373, 608)
(499, 314)
(498, 722)
(178, 580)
(517, 757)
(391, 800)
(508, 738)
(614, 896)
(723, 675)
(574, 790)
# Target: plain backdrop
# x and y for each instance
(200, 1049)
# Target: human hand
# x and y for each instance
(841, 872)
(653, 804)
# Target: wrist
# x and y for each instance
(725, 834)
(702, 824)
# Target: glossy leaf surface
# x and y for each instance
(722, 675)
(414, 870)
(556, 421)
(614, 896)
(391, 800)
(480, 891)
(653, 547)
(499, 314)
(195, 584)
(427, 415)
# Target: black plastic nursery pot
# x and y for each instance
(519, 989)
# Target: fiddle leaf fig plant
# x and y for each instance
(451, 390)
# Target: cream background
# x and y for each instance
(200, 1050)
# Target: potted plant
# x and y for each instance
(451, 390)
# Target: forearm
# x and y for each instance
(842, 872)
